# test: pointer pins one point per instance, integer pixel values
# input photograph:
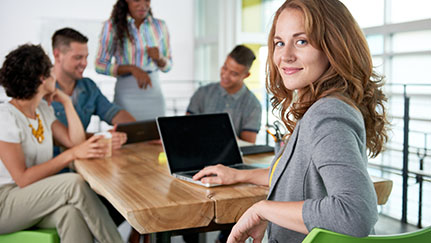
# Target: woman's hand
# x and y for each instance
(218, 174)
(91, 148)
(153, 52)
(58, 96)
(251, 224)
(142, 78)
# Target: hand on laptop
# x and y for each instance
(217, 174)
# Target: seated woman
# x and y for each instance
(30, 192)
(320, 74)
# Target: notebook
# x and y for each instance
(195, 141)
(139, 131)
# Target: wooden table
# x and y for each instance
(140, 187)
(137, 182)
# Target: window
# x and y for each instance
(402, 11)
(399, 37)
(365, 15)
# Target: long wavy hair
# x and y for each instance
(331, 28)
(119, 21)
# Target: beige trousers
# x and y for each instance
(63, 201)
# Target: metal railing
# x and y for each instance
(406, 172)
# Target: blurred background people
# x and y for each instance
(70, 60)
(140, 45)
(231, 95)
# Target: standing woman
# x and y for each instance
(31, 194)
(140, 45)
(321, 76)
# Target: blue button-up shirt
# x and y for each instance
(88, 100)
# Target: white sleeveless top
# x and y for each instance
(14, 128)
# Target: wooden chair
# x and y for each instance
(383, 188)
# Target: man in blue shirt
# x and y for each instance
(70, 54)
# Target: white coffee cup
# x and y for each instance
(107, 138)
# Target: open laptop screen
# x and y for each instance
(195, 141)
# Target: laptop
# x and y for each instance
(193, 142)
(139, 131)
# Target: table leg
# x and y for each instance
(147, 238)
(161, 237)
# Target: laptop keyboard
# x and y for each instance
(256, 149)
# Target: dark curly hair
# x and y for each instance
(119, 20)
(22, 70)
(332, 29)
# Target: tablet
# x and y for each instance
(139, 131)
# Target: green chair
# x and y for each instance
(33, 236)
(325, 236)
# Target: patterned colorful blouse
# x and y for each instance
(152, 32)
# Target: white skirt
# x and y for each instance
(143, 104)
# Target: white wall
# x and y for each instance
(23, 21)
(34, 21)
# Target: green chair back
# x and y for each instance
(325, 236)
(33, 236)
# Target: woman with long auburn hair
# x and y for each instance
(350, 75)
(320, 73)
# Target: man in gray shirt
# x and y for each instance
(231, 95)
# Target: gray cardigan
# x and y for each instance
(324, 164)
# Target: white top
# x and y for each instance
(14, 128)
